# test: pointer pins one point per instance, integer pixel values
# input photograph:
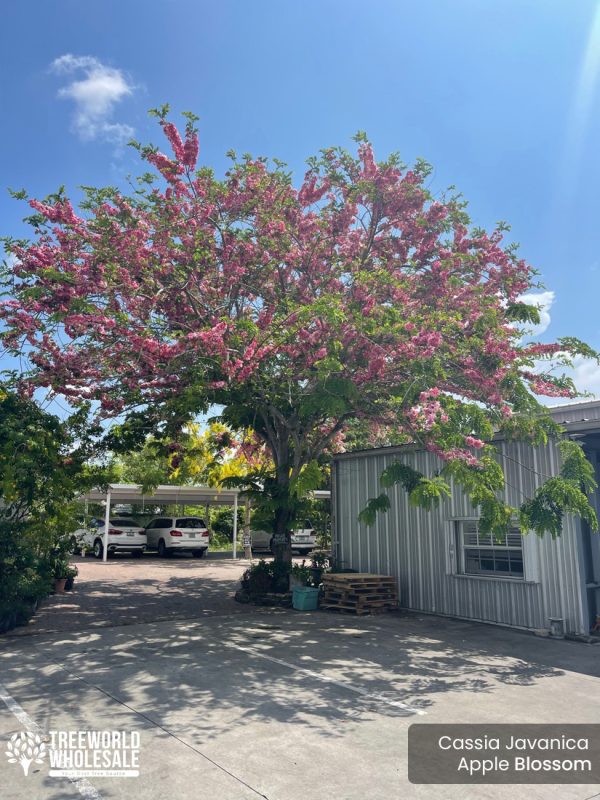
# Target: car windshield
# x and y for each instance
(190, 522)
(124, 523)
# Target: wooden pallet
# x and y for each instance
(355, 596)
(356, 606)
(358, 577)
(359, 593)
(359, 611)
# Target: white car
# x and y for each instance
(303, 539)
(125, 535)
(168, 534)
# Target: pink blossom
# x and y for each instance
(190, 150)
(175, 139)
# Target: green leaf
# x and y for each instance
(578, 348)
(398, 472)
(160, 112)
(523, 312)
(429, 492)
(369, 513)
(310, 477)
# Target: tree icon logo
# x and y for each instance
(26, 748)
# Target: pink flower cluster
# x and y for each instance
(428, 412)
(453, 454)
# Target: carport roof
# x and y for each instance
(132, 492)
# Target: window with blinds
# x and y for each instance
(487, 554)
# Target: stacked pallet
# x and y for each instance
(359, 592)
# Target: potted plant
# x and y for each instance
(300, 575)
(59, 585)
(305, 594)
(71, 574)
(60, 554)
(60, 573)
(320, 562)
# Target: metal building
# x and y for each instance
(444, 566)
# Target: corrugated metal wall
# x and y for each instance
(417, 546)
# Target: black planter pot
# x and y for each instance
(69, 584)
(5, 622)
(317, 574)
(8, 621)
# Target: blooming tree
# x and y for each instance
(356, 297)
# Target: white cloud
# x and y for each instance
(544, 301)
(586, 375)
(95, 89)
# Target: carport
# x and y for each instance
(163, 495)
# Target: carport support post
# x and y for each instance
(235, 510)
(106, 524)
(247, 539)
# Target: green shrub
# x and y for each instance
(26, 574)
(220, 541)
(221, 523)
(258, 579)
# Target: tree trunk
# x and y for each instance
(282, 550)
(282, 540)
(279, 445)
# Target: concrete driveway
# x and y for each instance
(235, 702)
(125, 590)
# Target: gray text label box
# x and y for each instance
(472, 754)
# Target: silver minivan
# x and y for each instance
(170, 534)
(303, 540)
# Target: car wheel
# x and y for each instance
(162, 549)
(98, 549)
(198, 553)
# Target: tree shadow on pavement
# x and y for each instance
(173, 651)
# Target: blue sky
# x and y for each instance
(501, 96)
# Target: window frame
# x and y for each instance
(461, 548)
(179, 523)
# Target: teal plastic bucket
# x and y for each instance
(305, 598)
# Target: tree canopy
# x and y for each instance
(44, 463)
(212, 455)
(356, 298)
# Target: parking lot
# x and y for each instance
(234, 702)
